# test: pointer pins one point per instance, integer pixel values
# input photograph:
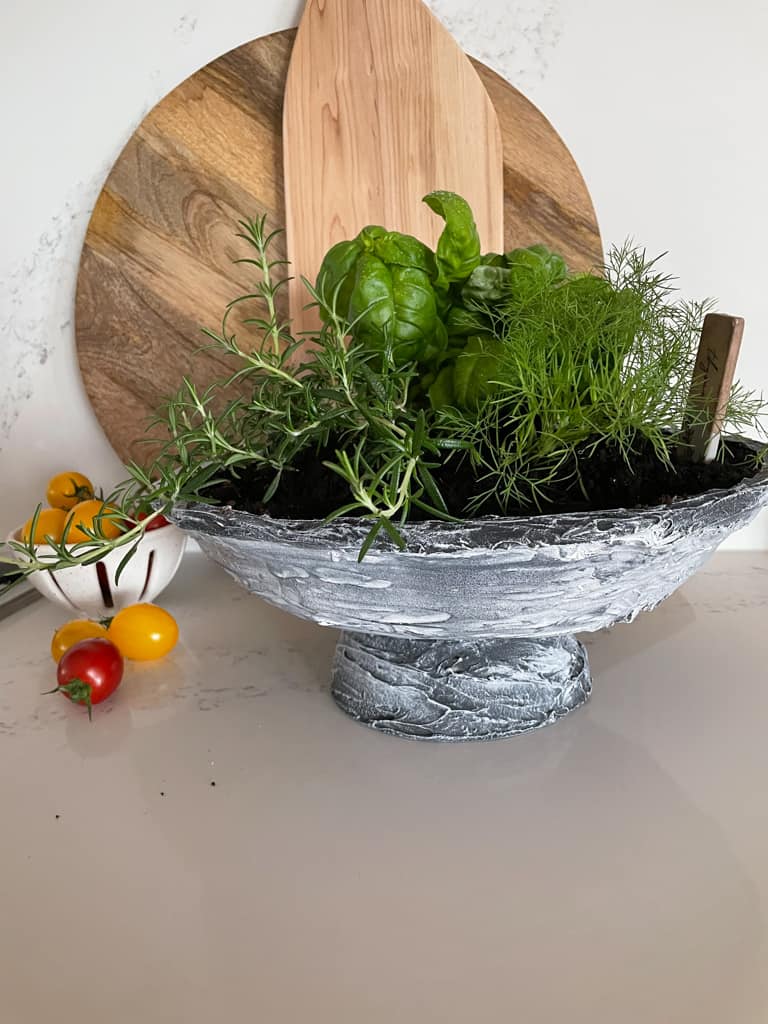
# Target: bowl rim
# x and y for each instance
(46, 551)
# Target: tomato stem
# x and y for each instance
(79, 491)
(78, 691)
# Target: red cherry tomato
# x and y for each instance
(89, 672)
(156, 524)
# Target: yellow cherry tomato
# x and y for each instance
(143, 632)
(72, 633)
(65, 490)
(50, 523)
(84, 517)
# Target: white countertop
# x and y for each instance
(611, 869)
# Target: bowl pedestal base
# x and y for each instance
(451, 690)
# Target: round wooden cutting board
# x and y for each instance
(157, 262)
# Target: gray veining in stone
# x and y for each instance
(516, 40)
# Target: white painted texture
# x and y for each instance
(662, 104)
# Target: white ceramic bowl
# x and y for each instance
(91, 589)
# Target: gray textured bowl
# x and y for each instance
(469, 633)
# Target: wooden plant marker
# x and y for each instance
(712, 382)
(381, 107)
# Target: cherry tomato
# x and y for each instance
(50, 523)
(84, 516)
(89, 672)
(72, 633)
(65, 490)
(143, 632)
(154, 524)
(157, 523)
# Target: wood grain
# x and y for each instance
(712, 382)
(382, 106)
(156, 264)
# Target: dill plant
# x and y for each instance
(599, 361)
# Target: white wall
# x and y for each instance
(662, 103)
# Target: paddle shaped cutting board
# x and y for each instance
(381, 107)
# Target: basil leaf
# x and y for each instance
(458, 249)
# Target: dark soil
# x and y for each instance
(312, 491)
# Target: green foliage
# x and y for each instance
(425, 361)
(563, 360)
(397, 291)
(383, 281)
(578, 360)
(458, 248)
(355, 395)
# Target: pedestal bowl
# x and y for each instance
(469, 633)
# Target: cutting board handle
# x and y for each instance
(382, 106)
